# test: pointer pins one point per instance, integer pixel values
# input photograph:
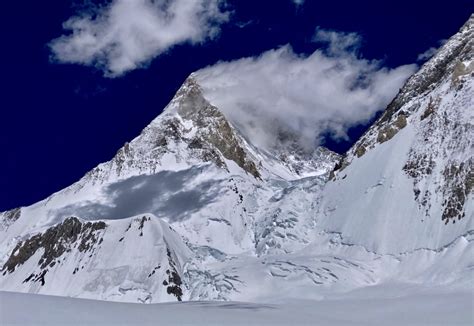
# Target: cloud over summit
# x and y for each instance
(280, 91)
(328, 91)
(128, 34)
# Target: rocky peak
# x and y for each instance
(213, 133)
(190, 102)
(214, 128)
(191, 130)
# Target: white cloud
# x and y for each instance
(338, 43)
(430, 52)
(298, 2)
(281, 91)
(128, 34)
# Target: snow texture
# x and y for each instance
(426, 308)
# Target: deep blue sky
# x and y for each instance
(59, 121)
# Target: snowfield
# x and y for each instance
(381, 306)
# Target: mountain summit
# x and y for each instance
(190, 172)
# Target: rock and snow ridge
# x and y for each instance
(143, 255)
(409, 180)
(216, 218)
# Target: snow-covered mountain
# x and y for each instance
(189, 171)
(192, 210)
(409, 181)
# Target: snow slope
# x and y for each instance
(370, 307)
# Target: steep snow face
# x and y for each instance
(135, 259)
(408, 183)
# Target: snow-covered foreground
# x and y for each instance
(400, 305)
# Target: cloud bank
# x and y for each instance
(128, 34)
(281, 92)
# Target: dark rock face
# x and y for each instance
(174, 282)
(460, 179)
(419, 165)
(214, 130)
(142, 224)
(174, 285)
(430, 109)
(55, 242)
(360, 150)
(89, 237)
(392, 129)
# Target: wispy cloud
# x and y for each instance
(430, 52)
(128, 34)
(338, 44)
(298, 2)
(281, 91)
